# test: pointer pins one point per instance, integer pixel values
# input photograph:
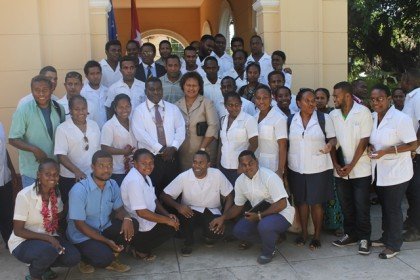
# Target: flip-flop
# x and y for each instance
(243, 245)
(314, 244)
(148, 257)
(300, 241)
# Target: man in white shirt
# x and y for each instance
(202, 188)
(159, 127)
(237, 72)
(95, 92)
(276, 80)
(271, 214)
(278, 58)
(258, 55)
(191, 58)
(236, 43)
(110, 66)
(212, 81)
(410, 83)
(128, 84)
(352, 166)
(223, 59)
(132, 49)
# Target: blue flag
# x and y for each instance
(112, 25)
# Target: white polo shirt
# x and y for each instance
(265, 185)
(395, 129)
(109, 76)
(69, 142)
(213, 91)
(225, 62)
(28, 208)
(200, 193)
(144, 127)
(272, 128)
(349, 132)
(236, 138)
(266, 67)
(232, 73)
(115, 135)
(5, 175)
(412, 109)
(247, 106)
(97, 97)
(304, 156)
(136, 92)
(137, 194)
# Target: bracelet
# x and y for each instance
(128, 218)
(396, 150)
(259, 215)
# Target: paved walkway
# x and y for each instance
(225, 261)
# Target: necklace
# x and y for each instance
(50, 221)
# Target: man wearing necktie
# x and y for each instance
(159, 127)
(148, 68)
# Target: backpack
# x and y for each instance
(58, 110)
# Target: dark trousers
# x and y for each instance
(41, 255)
(231, 174)
(99, 254)
(413, 196)
(145, 241)
(390, 198)
(6, 211)
(267, 231)
(354, 195)
(65, 184)
(163, 173)
(202, 219)
(118, 178)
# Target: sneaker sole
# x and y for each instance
(363, 253)
(342, 246)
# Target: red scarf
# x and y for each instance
(50, 222)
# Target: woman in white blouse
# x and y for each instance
(392, 140)
(311, 136)
(238, 132)
(272, 133)
(117, 137)
(76, 140)
(35, 240)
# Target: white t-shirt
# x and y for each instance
(136, 92)
(236, 138)
(265, 185)
(115, 135)
(96, 102)
(349, 131)
(28, 208)
(272, 128)
(5, 175)
(304, 154)
(225, 62)
(69, 141)
(200, 193)
(412, 109)
(395, 129)
(109, 76)
(137, 194)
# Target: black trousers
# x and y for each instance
(413, 196)
(6, 211)
(145, 241)
(164, 172)
(198, 219)
(65, 184)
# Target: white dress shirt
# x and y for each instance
(138, 193)
(304, 154)
(69, 142)
(96, 100)
(266, 67)
(115, 135)
(144, 127)
(247, 106)
(412, 109)
(200, 193)
(28, 208)
(136, 92)
(265, 185)
(272, 128)
(225, 63)
(236, 138)
(5, 175)
(395, 129)
(239, 81)
(109, 76)
(349, 132)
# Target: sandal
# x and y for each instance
(243, 245)
(315, 244)
(148, 257)
(300, 241)
(49, 274)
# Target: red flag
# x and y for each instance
(135, 29)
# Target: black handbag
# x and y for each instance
(201, 128)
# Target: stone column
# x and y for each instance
(267, 23)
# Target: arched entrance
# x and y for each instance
(154, 36)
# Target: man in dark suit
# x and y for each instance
(148, 68)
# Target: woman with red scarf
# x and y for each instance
(35, 240)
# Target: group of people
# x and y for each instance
(142, 150)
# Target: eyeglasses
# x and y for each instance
(146, 53)
(377, 99)
(86, 140)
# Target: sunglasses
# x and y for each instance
(86, 140)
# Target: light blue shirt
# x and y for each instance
(87, 202)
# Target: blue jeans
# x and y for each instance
(266, 231)
(390, 198)
(27, 181)
(41, 255)
(354, 195)
(413, 196)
